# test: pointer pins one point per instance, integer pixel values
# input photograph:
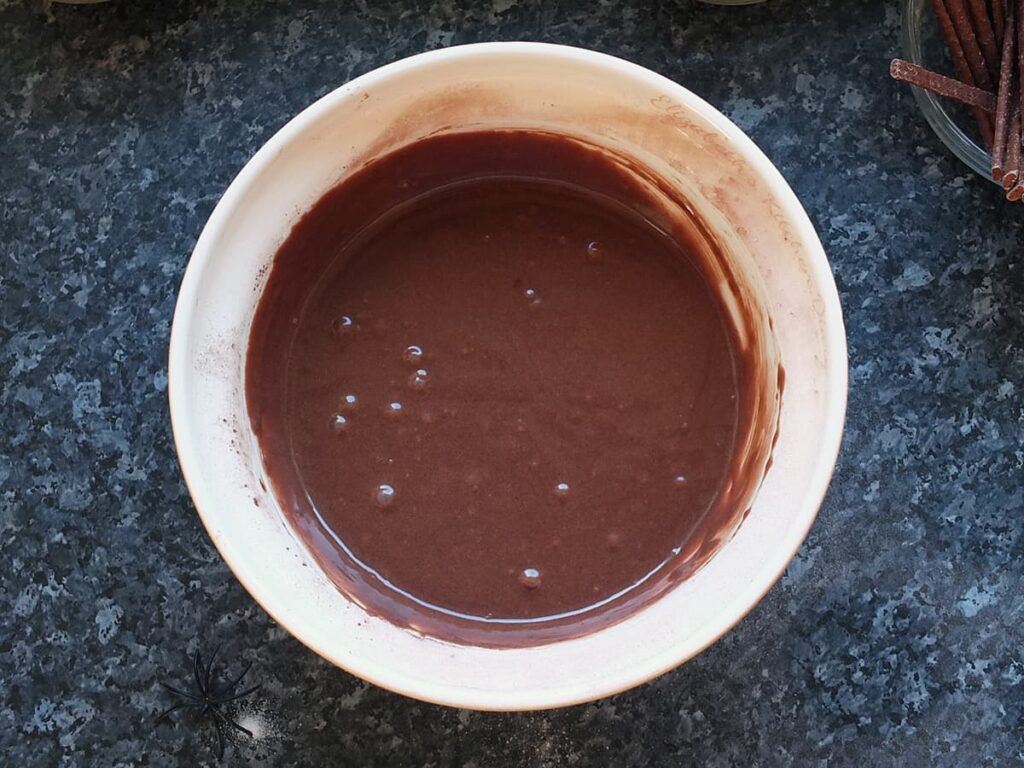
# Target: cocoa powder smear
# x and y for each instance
(495, 397)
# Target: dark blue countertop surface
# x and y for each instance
(895, 637)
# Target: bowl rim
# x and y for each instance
(835, 364)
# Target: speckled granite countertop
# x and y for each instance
(895, 638)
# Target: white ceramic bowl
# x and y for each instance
(730, 183)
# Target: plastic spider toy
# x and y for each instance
(209, 698)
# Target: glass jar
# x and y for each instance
(923, 45)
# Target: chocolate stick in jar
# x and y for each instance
(998, 18)
(960, 18)
(906, 72)
(1018, 19)
(986, 37)
(1004, 96)
(1011, 174)
(963, 69)
(1017, 135)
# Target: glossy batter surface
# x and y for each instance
(500, 407)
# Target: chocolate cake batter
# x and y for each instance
(497, 399)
